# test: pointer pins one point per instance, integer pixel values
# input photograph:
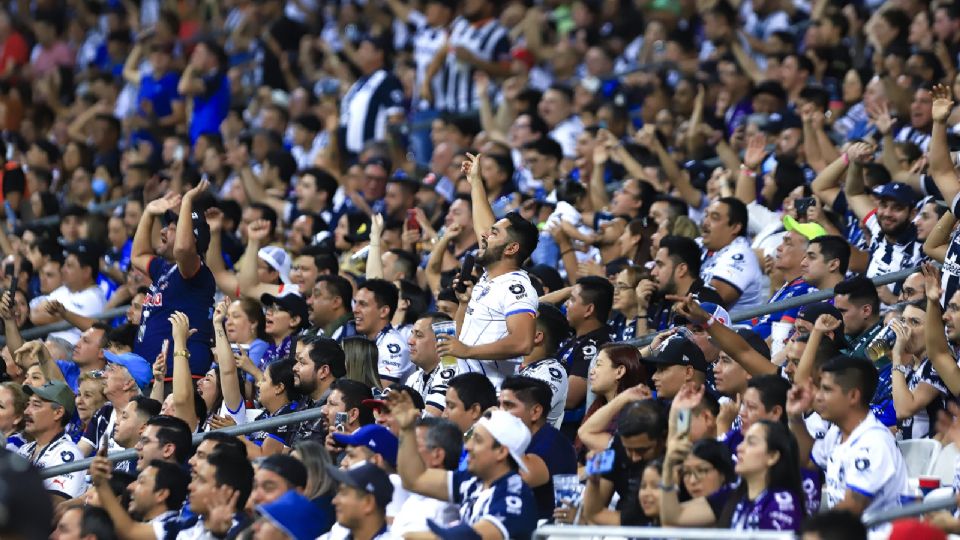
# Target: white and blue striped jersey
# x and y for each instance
(364, 109)
(489, 42)
(427, 40)
(889, 256)
(492, 302)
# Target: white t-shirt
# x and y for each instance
(60, 451)
(566, 133)
(552, 372)
(394, 355)
(491, 303)
(736, 265)
(417, 509)
(88, 302)
(868, 462)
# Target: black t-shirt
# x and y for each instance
(626, 475)
(579, 352)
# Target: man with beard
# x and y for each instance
(498, 319)
(155, 497)
(942, 331)
(893, 244)
(676, 271)
(320, 362)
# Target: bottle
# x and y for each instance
(881, 344)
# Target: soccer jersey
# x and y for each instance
(867, 462)
(920, 425)
(393, 355)
(171, 292)
(61, 450)
(102, 422)
(737, 266)
(88, 302)
(552, 372)
(432, 386)
(889, 256)
(950, 272)
(492, 302)
(777, 510)
(791, 289)
(508, 503)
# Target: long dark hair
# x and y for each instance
(784, 474)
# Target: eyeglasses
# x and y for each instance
(696, 472)
(143, 441)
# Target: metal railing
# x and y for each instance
(242, 429)
(789, 303)
(593, 531)
(42, 331)
(910, 510)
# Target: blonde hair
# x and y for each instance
(361, 359)
(19, 401)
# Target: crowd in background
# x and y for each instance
(510, 251)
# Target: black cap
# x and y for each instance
(308, 121)
(754, 340)
(292, 303)
(677, 350)
(201, 230)
(782, 120)
(368, 478)
(811, 312)
(87, 253)
(288, 467)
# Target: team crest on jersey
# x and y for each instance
(517, 289)
(66, 456)
(862, 464)
(393, 348)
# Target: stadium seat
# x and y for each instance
(946, 464)
(920, 455)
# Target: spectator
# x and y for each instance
(549, 452)
(123, 380)
(917, 390)
(205, 81)
(818, 265)
(377, 94)
(676, 271)
(331, 306)
(48, 412)
(542, 364)
(85, 522)
(375, 302)
(346, 397)
(678, 361)
(354, 511)
(274, 476)
(286, 315)
(833, 525)
(289, 516)
(321, 487)
(868, 474)
(79, 293)
(730, 266)
(164, 438)
(587, 312)
(130, 425)
(156, 497)
(469, 395)
(431, 378)
(320, 363)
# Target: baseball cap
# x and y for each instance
(509, 431)
(807, 230)
(714, 310)
(677, 350)
(754, 340)
(138, 367)
(201, 230)
(375, 437)
(88, 254)
(294, 514)
(57, 392)
(898, 191)
(278, 259)
(811, 312)
(292, 303)
(376, 402)
(287, 467)
(779, 121)
(368, 478)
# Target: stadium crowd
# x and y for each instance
(444, 226)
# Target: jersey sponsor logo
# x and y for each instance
(589, 350)
(737, 256)
(516, 289)
(153, 300)
(862, 464)
(393, 348)
(57, 481)
(66, 456)
(555, 374)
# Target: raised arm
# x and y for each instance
(938, 350)
(374, 260)
(799, 401)
(185, 244)
(435, 264)
(229, 380)
(729, 341)
(856, 193)
(247, 280)
(941, 166)
(225, 279)
(10, 330)
(827, 183)
(131, 73)
(483, 217)
(183, 390)
(746, 189)
(414, 474)
(593, 432)
(141, 251)
(906, 402)
(521, 328)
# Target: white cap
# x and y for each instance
(510, 432)
(278, 259)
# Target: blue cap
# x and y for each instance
(295, 515)
(455, 532)
(898, 191)
(138, 367)
(375, 437)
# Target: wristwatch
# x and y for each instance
(902, 369)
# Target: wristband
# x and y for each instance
(185, 354)
(667, 489)
(747, 170)
(710, 322)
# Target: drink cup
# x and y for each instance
(928, 484)
(445, 328)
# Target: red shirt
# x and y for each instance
(15, 49)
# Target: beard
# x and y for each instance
(490, 255)
(896, 230)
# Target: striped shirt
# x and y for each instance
(950, 272)
(427, 40)
(489, 42)
(889, 256)
(910, 134)
(364, 109)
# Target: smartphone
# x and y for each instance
(340, 421)
(164, 347)
(178, 153)
(802, 205)
(412, 222)
(104, 445)
(683, 421)
(466, 272)
(600, 463)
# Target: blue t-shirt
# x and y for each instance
(210, 107)
(797, 287)
(161, 93)
(170, 292)
(508, 503)
(557, 452)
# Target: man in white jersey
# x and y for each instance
(729, 265)
(373, 306)
(863, 467)
(541, 363)
(49, 410)
(496, 323)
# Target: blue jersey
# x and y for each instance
(508, 503)
(790, 289)
(171, 292)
